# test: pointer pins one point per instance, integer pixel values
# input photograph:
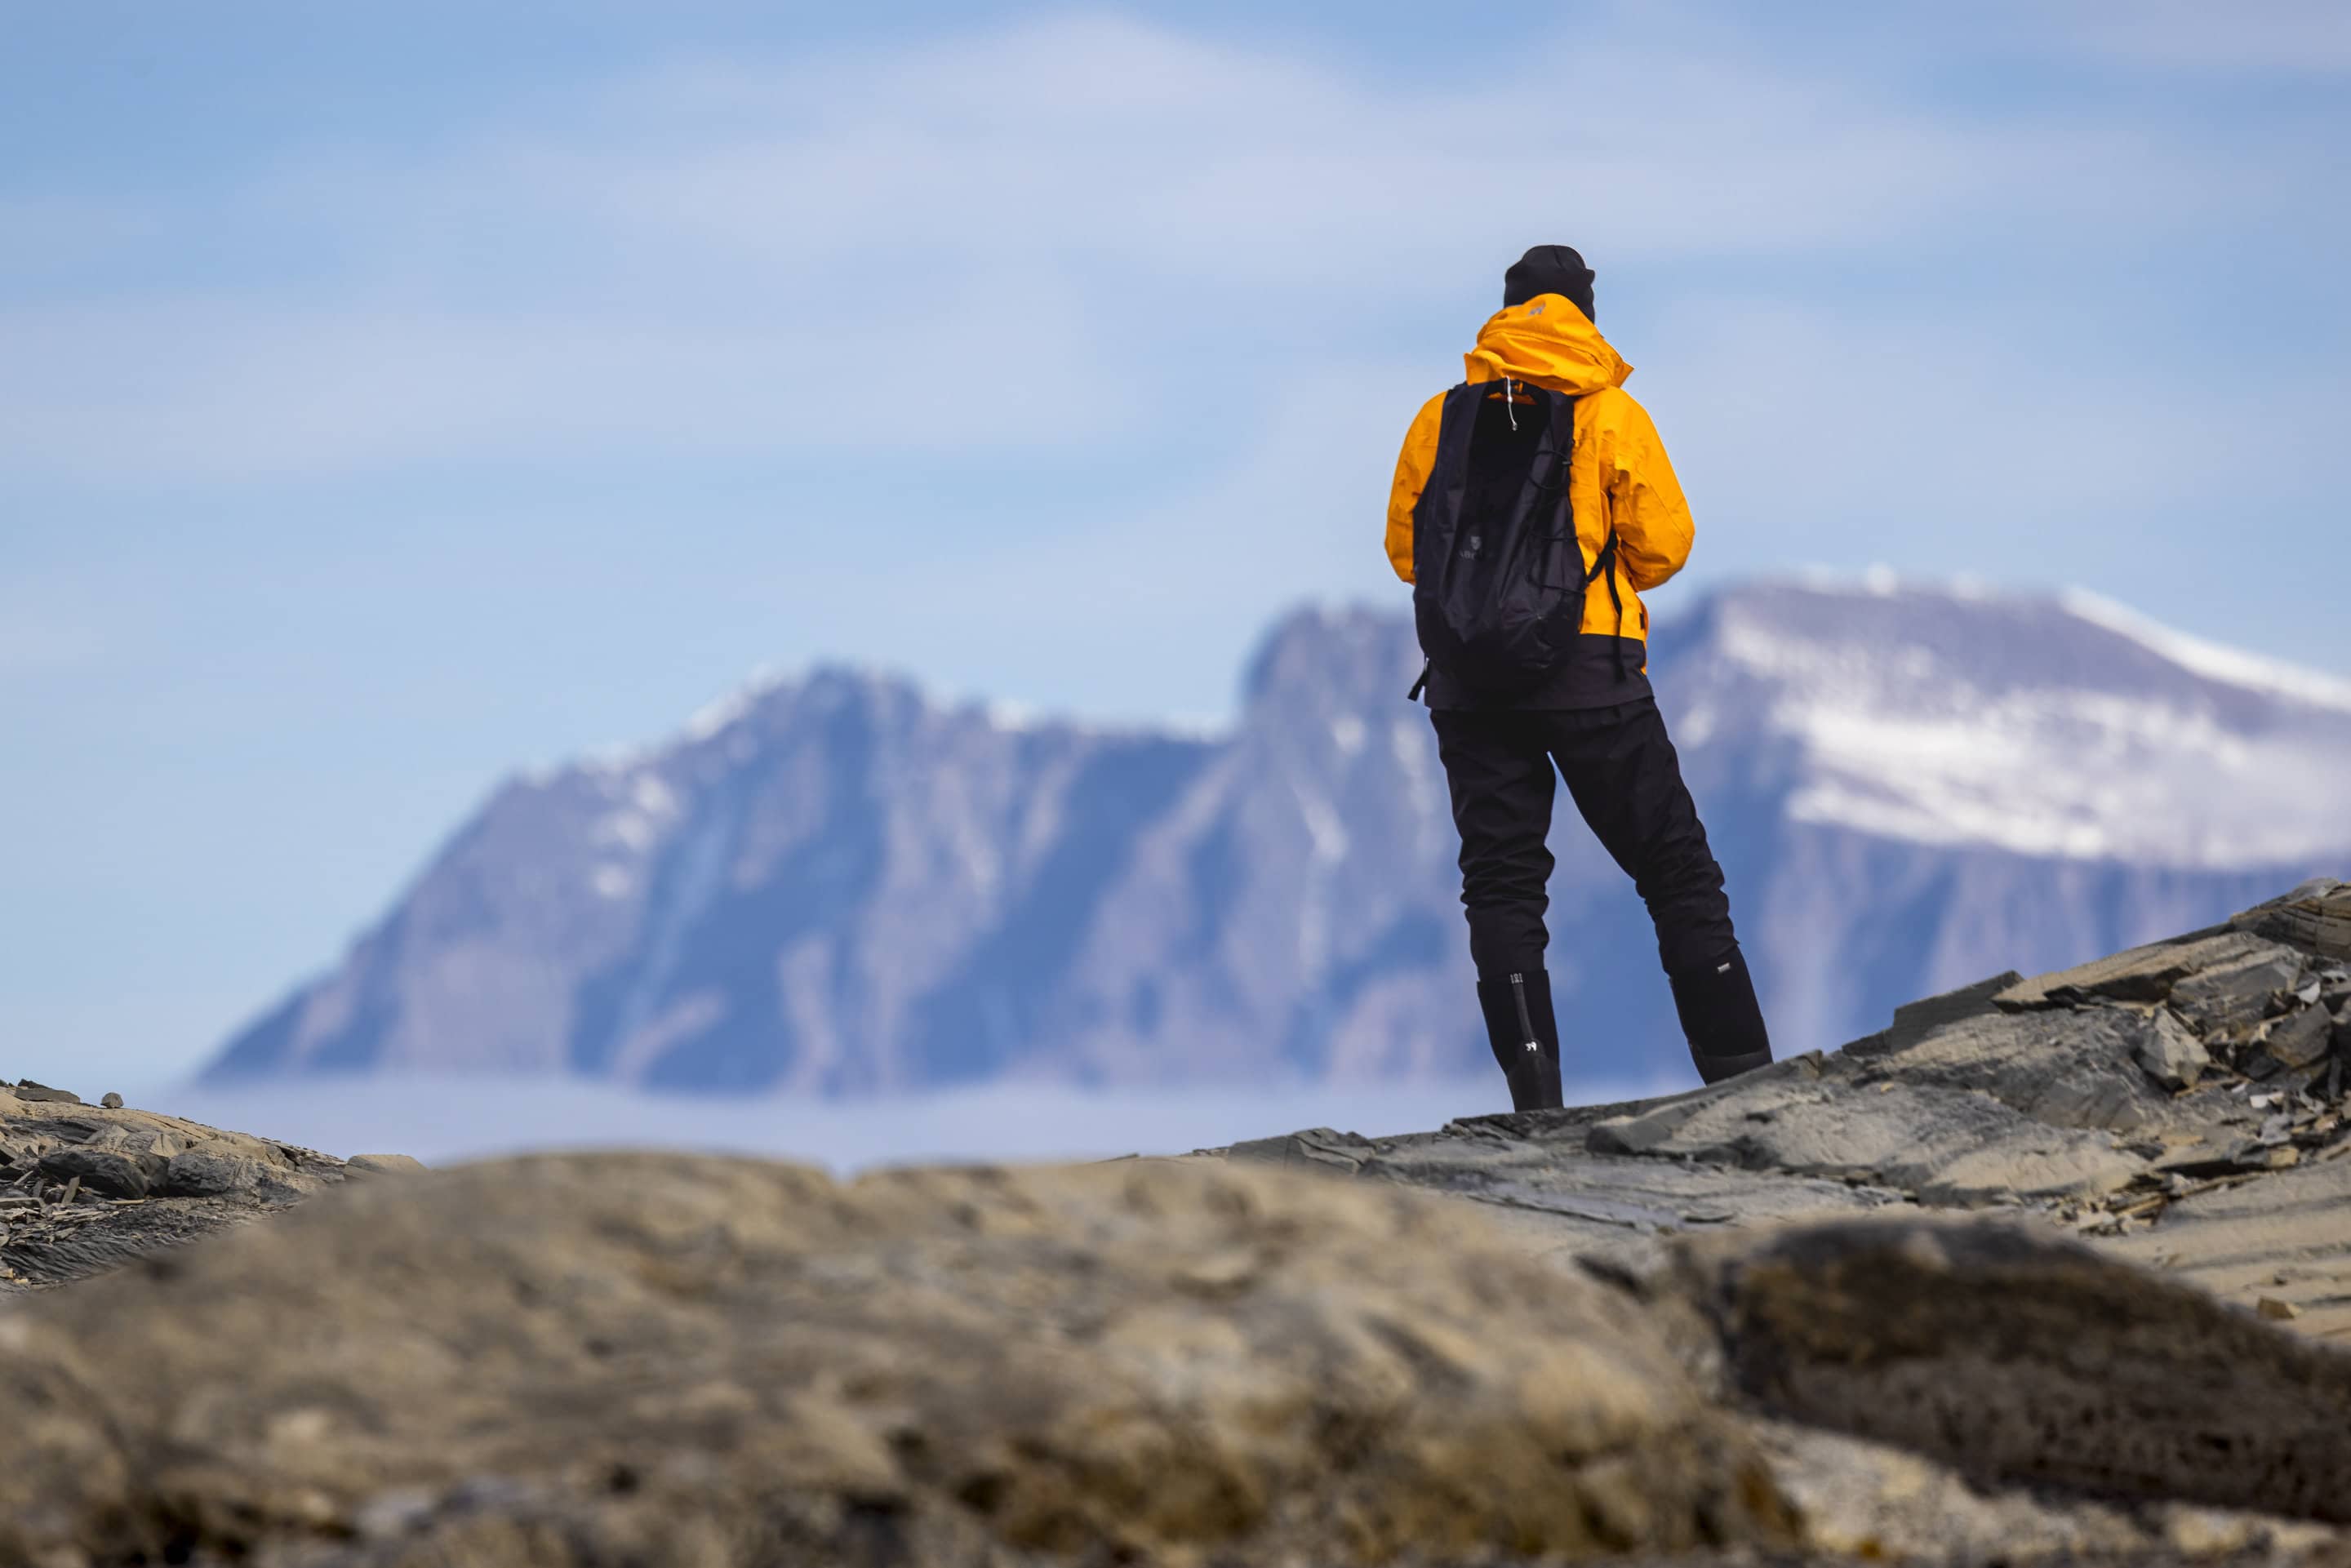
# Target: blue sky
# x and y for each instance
(392, 396)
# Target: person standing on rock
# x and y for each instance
(1532, 505)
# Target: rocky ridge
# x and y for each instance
(84, 1188)
(2050, 1269)
(2175, 1101)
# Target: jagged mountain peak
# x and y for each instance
(1332, 655)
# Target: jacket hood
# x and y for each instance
(1548, 341)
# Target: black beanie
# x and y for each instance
(1550, 269)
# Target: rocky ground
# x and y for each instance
(85, 1188)
(2055, 1268)
(2182, 1105)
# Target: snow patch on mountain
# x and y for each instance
(2211, 660)
(2039, 728)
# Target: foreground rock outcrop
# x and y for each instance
(652, 1361)
(2050, 1269)
(662, 1360)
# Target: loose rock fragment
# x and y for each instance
(2171, 1056)
(110, 1101)
(2298, 1039)
(28, 1090)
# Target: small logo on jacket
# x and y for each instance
(1471, 545)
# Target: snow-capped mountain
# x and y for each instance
(837, 886)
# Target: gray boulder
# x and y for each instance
(110, 1172)
(212, 1170)
(2301, 1039)
(2171, 1055)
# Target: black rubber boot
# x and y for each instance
(1721, 1018)
(1525, 1036)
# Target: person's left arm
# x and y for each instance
(1654, 532)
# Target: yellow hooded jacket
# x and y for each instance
(1618, 477)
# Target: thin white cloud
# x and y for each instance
(1103, 137)
(202, 388)
(700, 260)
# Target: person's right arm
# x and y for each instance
(1413, 463)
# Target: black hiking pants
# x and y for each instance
(1621, 769)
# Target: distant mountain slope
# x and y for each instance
(834, 885)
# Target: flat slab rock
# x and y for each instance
(2316, 917)
(1943, 1145)
(2140, 975)
(1558, 1198)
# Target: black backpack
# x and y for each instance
(1497, 575)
